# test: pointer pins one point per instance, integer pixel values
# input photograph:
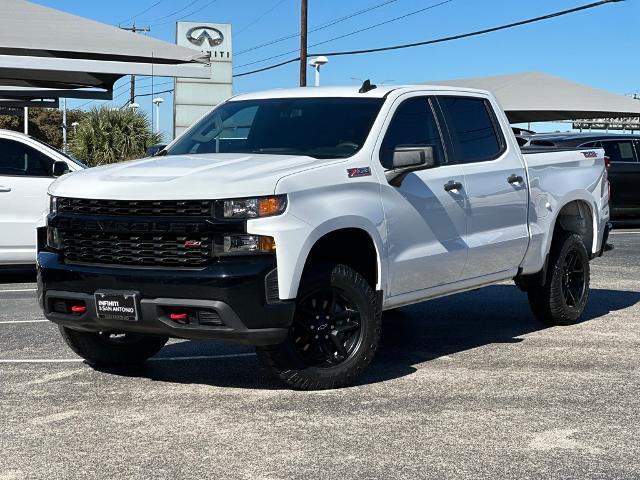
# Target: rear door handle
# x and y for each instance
(452, 185)
(4, 189)
(513, 178)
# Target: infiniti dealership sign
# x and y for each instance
(194, 98)
(198, 35)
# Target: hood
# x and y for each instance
(184, 177)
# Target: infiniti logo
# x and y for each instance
(198, 35)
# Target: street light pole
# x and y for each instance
(303, 43)
(157, 102)
(316, 63)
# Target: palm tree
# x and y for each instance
(107, 136)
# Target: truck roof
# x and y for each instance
(347, 91)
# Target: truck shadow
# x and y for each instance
(411, 335)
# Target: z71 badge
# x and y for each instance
(359, 172)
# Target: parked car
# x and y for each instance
(334, 205)
(27, 168)
(623, 151)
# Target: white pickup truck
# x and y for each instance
(291, 219)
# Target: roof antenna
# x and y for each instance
(367, 86)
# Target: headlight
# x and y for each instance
(53, 204)
(255, 207)
(243, 244)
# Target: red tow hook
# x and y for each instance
(78, 308)
(179, 317)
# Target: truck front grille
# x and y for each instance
(137, 208)
(165, 250)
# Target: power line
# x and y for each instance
(189, 5)
(187, 14)
(322, 26)
(395, 19)
(115, 97)
(443, 39)
(141, 13)
(260, 17)
(154, 93)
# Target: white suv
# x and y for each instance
(26, 171)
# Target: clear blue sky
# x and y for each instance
(595, 47)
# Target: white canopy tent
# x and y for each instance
(58, 55)
(539, 97)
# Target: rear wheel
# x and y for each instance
(334, 334)
(112, 349)
(563, 297)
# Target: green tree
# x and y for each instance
(109, 136)
(45, 124)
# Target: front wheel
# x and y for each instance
(112, 349)
(334, 334)
(563, 297)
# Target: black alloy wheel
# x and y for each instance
(326, 328)
(334, 333)
(563, 297)
(573, 279)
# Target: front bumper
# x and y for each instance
(235, 291)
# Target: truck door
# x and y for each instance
(624, 175)
(425, 223)
(497, 198)
(25, 175)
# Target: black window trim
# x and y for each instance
(53, 160)
(502, 142)
(434, 111)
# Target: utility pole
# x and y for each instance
(303, 43)
(134, 29)
(64, 125)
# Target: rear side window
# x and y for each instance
(413, 125)
(473, 129)
(18, 159)
(619, 151)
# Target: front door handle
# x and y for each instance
(4, 189)
(513, 178)
(452, 185)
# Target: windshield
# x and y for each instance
(316, 127)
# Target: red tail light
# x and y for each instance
(78, 308)
(607, 162)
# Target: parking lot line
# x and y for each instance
(157, 359)
(18, 290)
(9, 322)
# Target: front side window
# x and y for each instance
(413, 125)
(18, 159)
(316, 127)
(473, 129)
(619, 151)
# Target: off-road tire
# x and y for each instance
(99, 350)
(286, 364)
(548, 301)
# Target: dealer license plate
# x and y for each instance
(117, 306)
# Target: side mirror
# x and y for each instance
(154, 150)
(60, 168)
(407, 159)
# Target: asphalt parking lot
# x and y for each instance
(469, 386)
